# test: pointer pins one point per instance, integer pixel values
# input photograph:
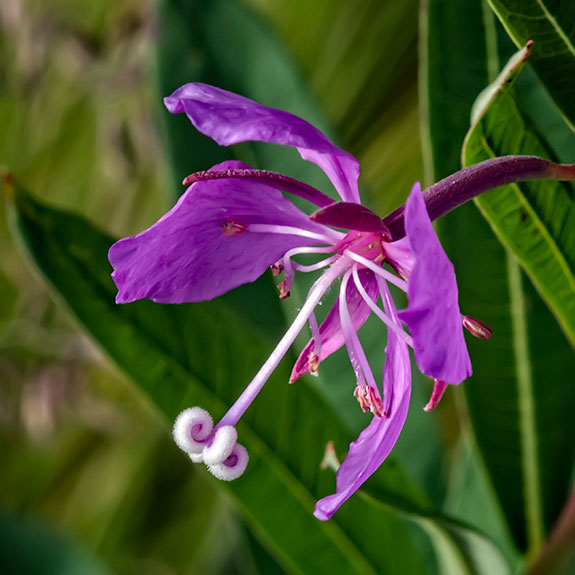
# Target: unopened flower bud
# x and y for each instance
(330, 459)
(476, 327)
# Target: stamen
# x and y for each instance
(277, 268)
(192, 429)
(289, 266)
(356, 354)
(233, 466)
(396, 328)
(439, 388)
(315, 334)
(477, 328)
(316, 266)
(391, 278)
(284, 288)
(313, 363)
(233, 228)
(369, 401)
(389, 307)
(330, 237)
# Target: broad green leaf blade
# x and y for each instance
(450, 546)
(536, 220)
(472, 500)
(519, 399)
(550, 24)
(495, 396)
(172, 352)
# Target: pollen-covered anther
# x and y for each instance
(277, 268)
(221, 446)
(233, 466)
(233, 228)
(476, 327)
(192, 430)
(284, 289)
(369, 400)
(313, 363)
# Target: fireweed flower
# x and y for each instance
(233, 223)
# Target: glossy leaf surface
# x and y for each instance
(517, 399)
(550, 24)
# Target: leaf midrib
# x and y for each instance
(527, 418)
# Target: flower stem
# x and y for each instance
(447, 194)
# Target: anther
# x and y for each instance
(369, 401)
(284, 289)
(313, 363)
(439, 388)
(277, 268)
(233, 228)
(477, 328)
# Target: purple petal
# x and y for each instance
(376, 441)
(229, 119)
(351, 216)
(433, 315)
(186, 257)
(330, 330)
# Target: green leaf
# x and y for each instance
(200, 355)
(286, 430)
(536, 220)
(550, 24)
(518, 399)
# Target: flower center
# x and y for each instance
(366, 244)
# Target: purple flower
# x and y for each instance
(233, 222)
